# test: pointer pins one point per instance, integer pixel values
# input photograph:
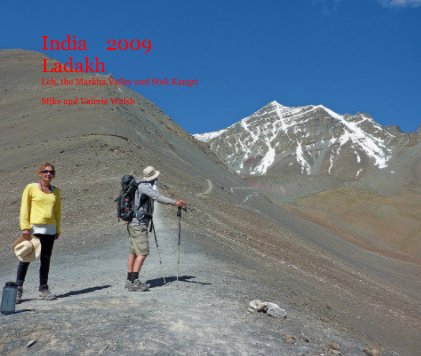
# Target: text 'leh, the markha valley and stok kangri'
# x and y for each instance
(121, 81)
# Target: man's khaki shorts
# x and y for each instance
(139, 240)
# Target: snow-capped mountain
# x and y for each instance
(310, 140)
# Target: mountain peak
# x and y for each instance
(274, 103)
(310, 140)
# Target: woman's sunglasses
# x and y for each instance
(45, 171)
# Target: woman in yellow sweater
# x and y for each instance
(40, 215)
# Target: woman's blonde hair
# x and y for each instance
(44, 165)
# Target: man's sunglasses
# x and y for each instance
(45, 171)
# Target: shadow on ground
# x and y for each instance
(159, 282)
(82, 291)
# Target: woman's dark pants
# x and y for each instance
(47, 243)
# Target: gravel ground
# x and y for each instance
(206, 312)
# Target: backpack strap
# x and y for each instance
(139, 202)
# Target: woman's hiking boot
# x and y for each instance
(19, 292)
(45, 293)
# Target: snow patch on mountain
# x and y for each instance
(374, 147)
(207, 136)
(305, 166)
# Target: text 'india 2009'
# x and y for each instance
(87, 65)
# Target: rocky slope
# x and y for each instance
(347, 173)
(205, 312)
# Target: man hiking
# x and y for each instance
(146, 194)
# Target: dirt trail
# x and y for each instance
(208, 190)
(206, 314)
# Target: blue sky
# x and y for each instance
(349, 55)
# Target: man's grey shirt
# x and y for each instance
(153, 195)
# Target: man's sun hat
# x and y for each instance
(150, 173)
(27, 250)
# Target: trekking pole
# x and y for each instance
(178, 243)
(159, 254)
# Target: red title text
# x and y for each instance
(87, 65)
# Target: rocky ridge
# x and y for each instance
(309, 140)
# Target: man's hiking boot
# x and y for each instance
(141, 285)
(45, 293)
(128, 284)
(19, 292)
(138, 286)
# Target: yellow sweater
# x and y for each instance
(40, 208)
